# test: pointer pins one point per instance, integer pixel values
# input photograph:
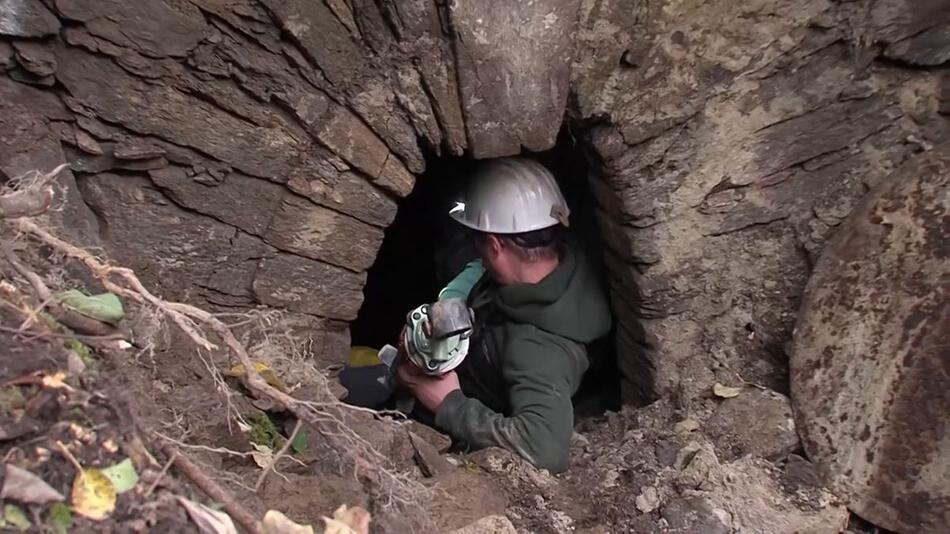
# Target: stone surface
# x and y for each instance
(308, 286)
(513, 62)
(869, 364)
(756, 423)
(428, 458)
(35, 58)
(28, 144)
(304, 228)
(156, 29)
(237, 199)
(694, 515)
(714, 156)
(27, 18)
(493, 524)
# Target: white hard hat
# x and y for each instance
(511, 196)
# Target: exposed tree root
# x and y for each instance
(194, 473)
(33, 195)
(325, 417)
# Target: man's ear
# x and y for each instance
(494, 245)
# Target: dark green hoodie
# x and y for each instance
(526, 361)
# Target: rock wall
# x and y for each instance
(246, 152)
(733, 137)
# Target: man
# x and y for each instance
(536, 306)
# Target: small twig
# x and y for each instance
(161, 475)
(69, 456)
(54, 335)
(212, 489)
(33, 314)
(272, 465)
(204, 448)
(33, 197)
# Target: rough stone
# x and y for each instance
(27, 18)
(87, 143)
(694, 515)
(346, 192)
(799, 474)
(493, 524)
(344, 134)
(648, 500)
(524, 49)
(137, 150)
(155, 29)
(428, 458)
(757, 423)
(6, 56)
(238, 199)
(147, 108)
(869, 357)
(304, 228)
(440, 441)
(916, 33)
(420, 27)
(308, 286)
(28, 144)
(36, 58)
(181, 249)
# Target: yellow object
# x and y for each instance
(266, 373)
(277, 523)
(346, 520)
(725, 392)
(363, 357)
(93, 495)
(56, 380)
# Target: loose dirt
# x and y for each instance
(713, 465)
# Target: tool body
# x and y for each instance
(437, 335)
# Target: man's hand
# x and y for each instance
(430, 390)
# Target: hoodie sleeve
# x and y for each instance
(541, 376)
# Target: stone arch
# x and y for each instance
(253, 151)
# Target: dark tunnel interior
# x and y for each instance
(424, 249)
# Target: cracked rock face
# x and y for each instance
(254, 151)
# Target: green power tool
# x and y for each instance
(437, 335)
(436, 339)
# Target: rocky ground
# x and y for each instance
(729, 462)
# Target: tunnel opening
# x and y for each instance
(423, 249)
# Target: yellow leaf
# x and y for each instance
(725, 392)
(266, 373)
(263, 455)
(93, 495)
(56, 380)
(345, 520)
(277, 523)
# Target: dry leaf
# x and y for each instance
(22, 485)
(263, 456)
(725, 392)
(56, 380)
(277, 523)
(93, 495)
(266, 373)
(345, 520)
(208, 521)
